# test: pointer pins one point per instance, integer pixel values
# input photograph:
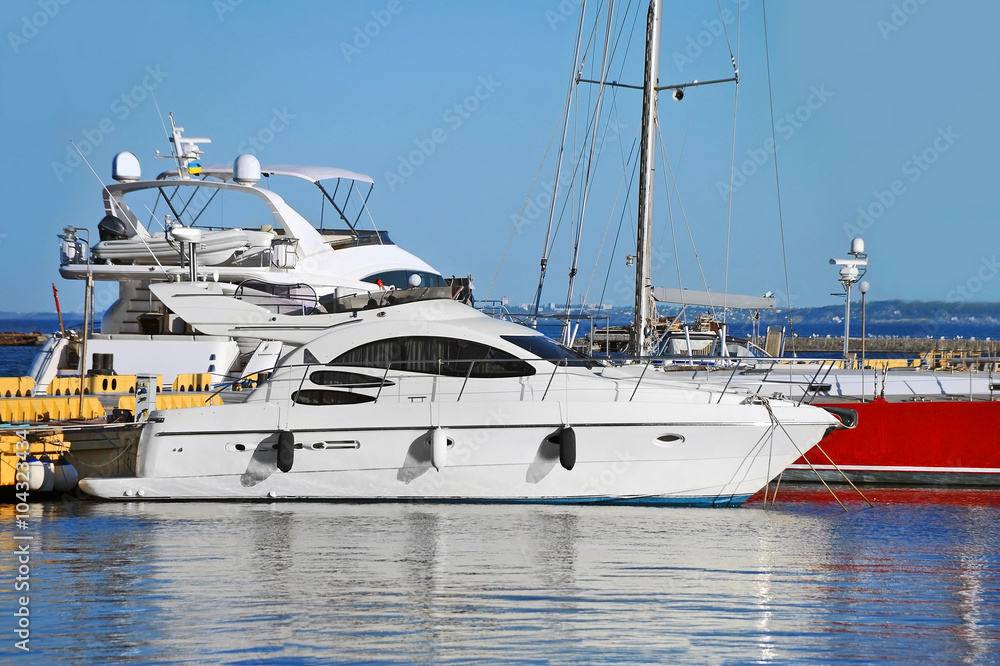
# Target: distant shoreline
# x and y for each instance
(884, 319)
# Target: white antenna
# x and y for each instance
(114, 206)
(185, 150)
(159, 115)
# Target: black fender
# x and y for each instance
(286, 450)
(848, 417)
(567, 448)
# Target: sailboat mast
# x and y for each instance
(647, 161)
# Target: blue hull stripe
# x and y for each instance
(724, 501)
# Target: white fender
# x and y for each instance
(439, 448)
(41, 475)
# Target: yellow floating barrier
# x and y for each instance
(16, 387)
(111, 384)
(49, 409)
(96, 384)
(200, 381)
(173, 400)
(64, 386)
(886, 363)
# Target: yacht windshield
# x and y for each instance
(449, 357)
(550, 350)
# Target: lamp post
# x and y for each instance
(74, 253)
(863, 287)
(851, 271)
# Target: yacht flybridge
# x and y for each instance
(219, 223)
(429, 399)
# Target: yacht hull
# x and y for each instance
(945, 443)
(628, 453)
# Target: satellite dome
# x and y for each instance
(125, 167)
(246, 169)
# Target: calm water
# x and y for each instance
(915, 579)
(16, 361)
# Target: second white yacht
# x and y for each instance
(222, 225)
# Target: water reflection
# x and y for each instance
(328, 583)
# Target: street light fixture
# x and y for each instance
(75, 252)
(851, 271)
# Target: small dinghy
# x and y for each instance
(216, 247)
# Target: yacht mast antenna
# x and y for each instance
(647, 160)
(852, 270)
(185, 150)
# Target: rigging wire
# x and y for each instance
(725, 31)
(584, 167)
(607, 227)
(591, 158)
(777, 186)
(625, 162)
(693, 97)
(680, 204)
(673, 232)
(687, 129)
(693, 103)
(159, 116)
(520, 215)
(567, 111)
(732, 164)
(625, 209)
(571, 201)
(614, 50)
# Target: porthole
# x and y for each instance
(669, 439)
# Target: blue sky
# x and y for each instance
(885, 121)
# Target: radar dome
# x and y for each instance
(246, 169)
(125, 167)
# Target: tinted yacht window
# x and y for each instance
(401, 279)
(550, 350)
(325, 397)
(437, 356)
(346, 379)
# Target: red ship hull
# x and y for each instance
(921, 443)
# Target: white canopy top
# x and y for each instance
(313, 174)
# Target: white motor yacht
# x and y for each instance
(429, 399)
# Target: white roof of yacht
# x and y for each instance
(313, 174)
